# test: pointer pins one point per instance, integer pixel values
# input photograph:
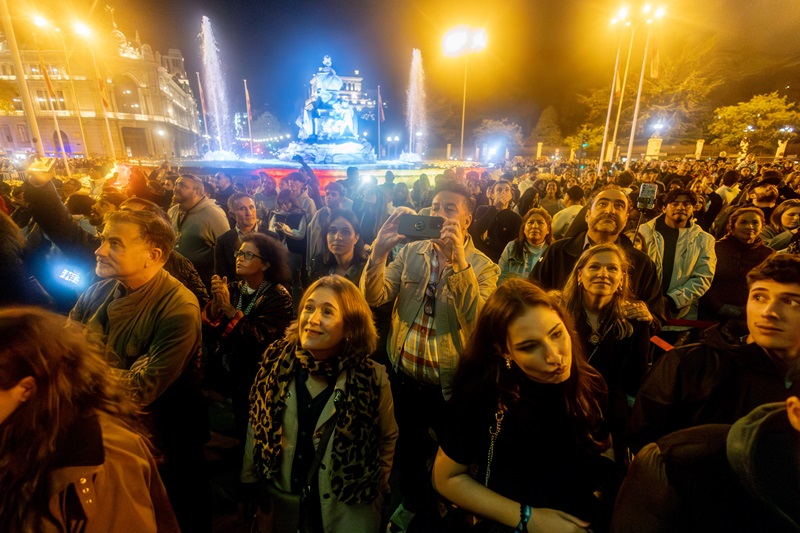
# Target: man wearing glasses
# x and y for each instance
(438, 287)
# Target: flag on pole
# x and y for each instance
(50, 90)
(655, 58)
(381, 116)
(247, 97)
(103, 93)
(617, 85)
(202, 98)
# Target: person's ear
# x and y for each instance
(793, 410)
(25, 388)
(265, 267)
(154, 256)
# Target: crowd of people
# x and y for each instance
(566, 355)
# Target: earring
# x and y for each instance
(508, 363)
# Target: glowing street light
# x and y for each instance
(84, 31)
(50, 93)
(24, 92)
(41, 22)
(658, 14)
(464, 41)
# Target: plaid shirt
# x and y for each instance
(419, 357)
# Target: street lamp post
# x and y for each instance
(458, 41)
(658, 14)
(74, 92)
(82, 29)
(53, 97)
(623, 13)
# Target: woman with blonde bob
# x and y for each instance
(529, 412)
(322, 418)
(70, 456)
(597, 297)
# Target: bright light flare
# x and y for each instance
(646, 9)
(40, 21)
(479, 40)
(82, 29)
(623, 13)
(659, 12)
(455, 41)
(462, 40)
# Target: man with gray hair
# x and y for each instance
(150, 324)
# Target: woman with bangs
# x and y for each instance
(529, 412)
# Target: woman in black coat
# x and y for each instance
(244, 317)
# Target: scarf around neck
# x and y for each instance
(355, 458)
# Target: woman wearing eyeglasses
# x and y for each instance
(244, 317)
(346, 255)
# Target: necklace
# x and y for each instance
(594, 337)
(261, 288)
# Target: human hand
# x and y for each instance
(388, 237)
(637, 310)
(545, 520)
(451, 241)
(220, 296)
(502, 199)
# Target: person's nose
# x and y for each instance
(315, 317)
(552, 357)
(771, 308)
(102, 250)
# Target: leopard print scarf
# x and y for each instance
(355, 458)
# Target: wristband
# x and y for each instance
(524, 517)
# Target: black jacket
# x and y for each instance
(710, 382)
(501, 227)
(716, 477)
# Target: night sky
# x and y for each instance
(540, 52)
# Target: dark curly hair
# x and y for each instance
(271, 249)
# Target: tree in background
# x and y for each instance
(590, 135)
(8, 92)
(679, 98)
(760, 122)
(501, 133)
(547, 130)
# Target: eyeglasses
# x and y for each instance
(247, 255)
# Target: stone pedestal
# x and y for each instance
(698, 151)
(653, 147)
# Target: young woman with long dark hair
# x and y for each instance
(529, 412)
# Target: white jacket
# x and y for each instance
(695, 264)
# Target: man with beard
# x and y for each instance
(764, 193)
(682, 252)
(106, 203)
(198, 222)
(606, 218)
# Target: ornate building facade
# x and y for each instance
(145, 96)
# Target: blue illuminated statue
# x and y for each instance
(329, 120)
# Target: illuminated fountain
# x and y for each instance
(416, 116)
(329, 122)
(215, 96)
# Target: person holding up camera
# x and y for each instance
(438, 287)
